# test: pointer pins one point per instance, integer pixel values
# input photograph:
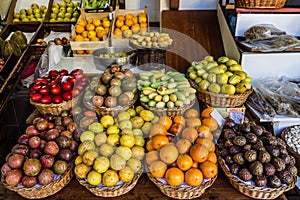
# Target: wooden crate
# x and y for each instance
(90, 45)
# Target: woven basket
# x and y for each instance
(45, 190)
(290, 149)
(171, 112)
(253, 191)
(259, 3)
(114, 191)
(182, 192)
(220, 100)
(101, 111)
(55, 109)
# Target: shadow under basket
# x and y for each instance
(151, 59)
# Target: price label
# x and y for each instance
(237, 117)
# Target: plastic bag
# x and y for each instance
(262, 31)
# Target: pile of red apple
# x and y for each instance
(58, 86)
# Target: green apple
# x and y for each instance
(62, 9)
(59, 19)
(70, 4)
(61, 15)
(52, 20)
(75, 14)
(68, 15)
(17, 15)
(16, 20)
(55, 5)
(53, 15)
(22, 16)
(67, 1)
(45, 11)
(73, 19)
(62, 4)
(42, 8)
(55, 10)
(34, 6)
(33, 19)
(25, 19)
(30, 16)
(36, 11)
(76, 4)
(69, 10)
(38, 15)
(67, 19)
(43, 16)
(23, 11)
(39, 20)
(29, 11)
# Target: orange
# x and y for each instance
(82, 22)
(101, 33)
(206, 142)
(210, 136)
(99, 28)
(90, 21)
(121, 17)
(90, 27)
(106, 23)
(211, 123)
(174, 176)
(104, 19)
(135, 28)
(166, 121)
(203, 130)
(184, 162)
(119, 23)
(158, 129)
(149, 146)
(158, 168)
(151, 156)
(86, 39)
(199, 153)
(142, 15)
(143, 25)
(135, 20)
(176, 128)
(85, 34)
(95, 38)
(129, 16)
(190, 134)
(212, 157)
(79, 51)
(195, 164)
(118, 31)
(129, 22)
(79, 29)
(206, 112)
(158, 141)
(208, 169)
(142, 19)
(106, 30)
(191, 113)
(96, 22)
(183, 146)
(193, 177)
(79, 38)
(89, 51)
(179, 119)
(124, 27)
(193, 122)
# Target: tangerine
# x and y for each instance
(206, 112)
(166, 121)
(79, 38)
(121, 17)
(211, 123)
(208, 169)
(176, 128)
(205, 142)
(158, 141)
(191, 113)
(193, 177)
(212, 157)
(129, 22)
(179, 119)
(158, 168)
(79, 29)
(129, 16)
(184, 162)
(203, 130)
(199, 153)
(195, 164)
(174, 176)
(190, 134)
(149, 145)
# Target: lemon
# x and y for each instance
(113, 139)
(110, 178)
(131, 112)
(134, 164)
(127, 131)
(107, 121)
(94, 178)
(100, 138)
(96, 127)
(138, 152)
(81, 170)
(124, 152)
(123, 116)
(101, 164)
(106, 150)
(126, 174)
(87, 135)
(78, 160)
(125, 124)
(137, 122)
(146, 115)
(127, 140)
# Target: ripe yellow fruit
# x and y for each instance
(110, 178)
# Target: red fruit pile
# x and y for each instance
(58, 86)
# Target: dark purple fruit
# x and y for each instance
(228, 133)
(285, 177)
(292, 169)
(256, 168)
(235, 168)
(251, 138)
(250, 155)
(239, 140)
(269, 169)
(239, 159)
(264, 156)
(245, 174)
(258, 130)
(260, 181)
(234, 150)
(278, 163)
(274, 181)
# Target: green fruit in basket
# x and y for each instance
(234, 79)
(101, 164)
(198, 80)
(89, 157)
(242, 74)
(231, 62)
(247, 85)
(235, 67)
(212, 78)
(110, 178)
(193, 75)
(204, 76)
(209, 58)
(222, 78)
(228, 73)
(214, 87)
(200, 72)
(222, 68)
(228, 89)
(96, 127)
(240, 88)
(203, 84)
(211, 65)
(222, 59)
(248, 79)
(86, 146)
(214, 70)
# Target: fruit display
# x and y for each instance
(151, 40)
(128, 24)
(43, 153)
(58, 86)
(65, 11)
(165, 90)
(15, 45)
(115, 88)
(255, 156)
(181, 150)
(34, 13)
(95, 4)
(224, 75)
(57, 41)
(112, 149)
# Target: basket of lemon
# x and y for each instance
(177, 140)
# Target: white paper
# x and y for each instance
(54, 35)
(4, 7)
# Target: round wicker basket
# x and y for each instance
(182, 192)
(171, 112)
(290, 149)
(114, 191)
(55, 109)
(254, 191)
(44, 190)
(220, 100)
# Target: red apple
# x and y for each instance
(46, 100)
(71, 79)
(66, 86)
(44, 90)
(53, 73)
(57, 99)
(63, 72)
(55, 89)
(41, 80)
(37, 86)
(67, 96)
(36, 97)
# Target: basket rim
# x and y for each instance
(113, 191)
(52, 105)
(39, 192)
(276, 191)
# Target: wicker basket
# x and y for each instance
(45, 190)
(220, 100)
(290, 149)
(253, 191)
(114, 191)
(259, 3)
(55, 109)
(171, 112)
(182, 192)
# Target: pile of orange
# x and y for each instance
(126, 25)
(182, 149)
(92, 29)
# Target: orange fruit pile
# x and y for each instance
(182, 149)
(126, 25)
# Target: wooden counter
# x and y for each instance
(144, 190)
